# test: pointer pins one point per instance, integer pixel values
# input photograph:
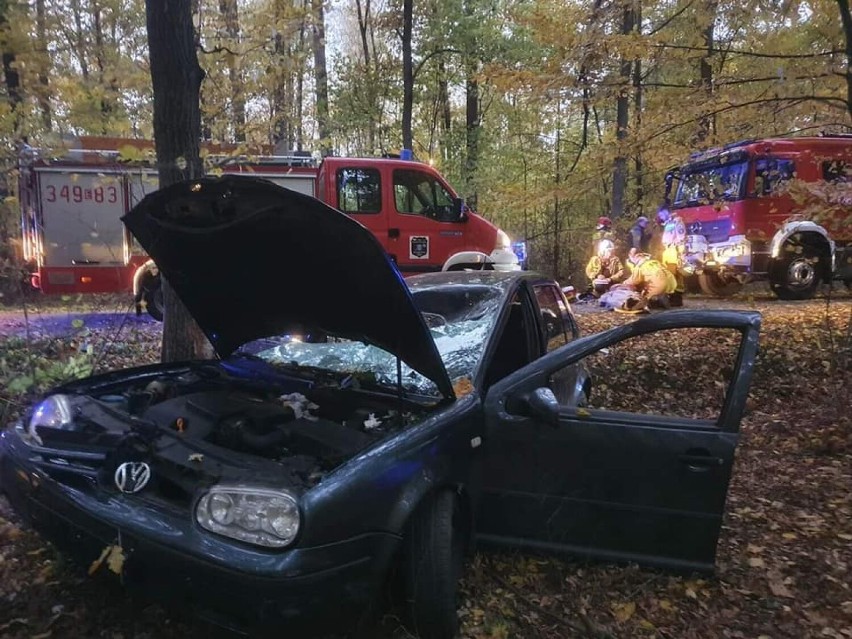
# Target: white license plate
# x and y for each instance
(696, 244)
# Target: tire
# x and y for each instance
(712, 284)
(154, 302)
(432, 564)
(691, 284)
(796, 276)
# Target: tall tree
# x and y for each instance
(846, 19)
(622, 118)
(407, 73)
(472, 115)
(321, 76)
(230, 13)
(43, 78)
(10, 71)
(707, 123)
(176, 78)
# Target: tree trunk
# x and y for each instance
(407, 74)
(176, 80)
(44, 85)
(230, 12)
(637, 118)
(444, 98)
(705, 72)
(472, 122)
(622, 120)
(10, 73)
(108, 85)
(365, 27)
(321, 76)
(846, 19)
(80, 44)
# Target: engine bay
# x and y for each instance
(207, 425)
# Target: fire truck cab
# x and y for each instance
(72, 202)
(746, 220)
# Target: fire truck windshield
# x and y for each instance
(711, 184)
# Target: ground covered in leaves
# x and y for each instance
(785, 555)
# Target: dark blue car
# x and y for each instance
(358, 429)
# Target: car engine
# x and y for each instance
(201, 426)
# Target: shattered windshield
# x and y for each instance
(460, 318)
(725, 182)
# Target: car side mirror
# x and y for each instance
(458, 209)
(543, 405)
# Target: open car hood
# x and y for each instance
(250, 259)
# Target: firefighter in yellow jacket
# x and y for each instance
(604, 269)
(651, 279)
(674, 250)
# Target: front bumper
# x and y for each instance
(170, 559)
(734, 255)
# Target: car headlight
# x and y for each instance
(53, 412)
(254, 515)
(503, 240)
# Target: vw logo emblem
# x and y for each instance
(131, 477)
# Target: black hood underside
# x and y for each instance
(250, 259)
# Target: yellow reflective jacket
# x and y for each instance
(652, 278)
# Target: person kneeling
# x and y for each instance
(604, 269)
(652, 281)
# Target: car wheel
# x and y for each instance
(432, 565)
(796, 276)
(717, 286)
(154, 302)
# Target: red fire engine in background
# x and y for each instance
(75, 242)
(745, 223)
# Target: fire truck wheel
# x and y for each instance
(797, 277)
(690, 282)
(154, 303)
(714, 284)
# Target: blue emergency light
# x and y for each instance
(520, 251)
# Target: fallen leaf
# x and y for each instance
(756, 562)
(623, 612)
(115, 561)
(93, 568)
(113, 555)
(778, 584)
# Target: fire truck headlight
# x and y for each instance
(503, 240)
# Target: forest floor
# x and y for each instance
(784, 565)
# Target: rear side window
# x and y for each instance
(837, 171)
(770, 175)
(359, 190)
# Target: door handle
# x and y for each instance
(393, 233)
(700, 462)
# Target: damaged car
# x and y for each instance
(358, 430)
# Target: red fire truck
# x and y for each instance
(72, 202)
(776, 209)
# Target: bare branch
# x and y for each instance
(754, 54)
